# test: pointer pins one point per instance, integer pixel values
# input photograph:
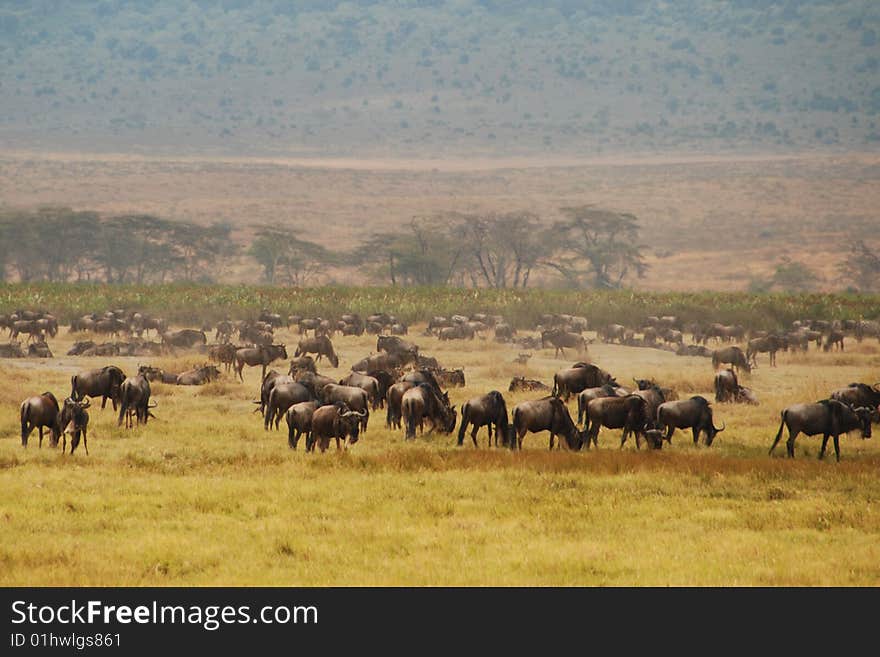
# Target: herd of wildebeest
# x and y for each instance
(410, 386)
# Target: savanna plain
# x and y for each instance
(202, 495)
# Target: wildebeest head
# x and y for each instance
(865, 415)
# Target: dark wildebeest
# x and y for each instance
(302, 364)
(422, 402)
(354, 397)
(299, 422)
(333, 421)
(368, 384)
(281, 397)
(39, 350)
(393, 344)
(134, 397)
(223, 354)
(731, 356)
(11, 350)
(450, 378)
(457, 332)
(198, 376)
(320, 345)
(314, 382)
(155, 374)
(833, 339)
(521, 383)
(38, 412)
(612, 332)
(262, 355)
(559, 339)
(272, 378)
(768, 344)
(393, 400)
(694, 413)
(104, 382)
(384, 361)
(859, 394)
(726, 385)
(575, 379)
(828, 417)
(629, 413)
(184, 338)
(224, 331)
(547, 414)
(79, 347)
(74, 420)
(385, 380)
(589, 394)
(485, 411)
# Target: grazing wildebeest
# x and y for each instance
(281, 397)
(320, 345)
(769, 344)
(314, 382)
(393, 344)
(422, 402)
(38, 412)
(575, 379)
(485, 411)
(828, 417)
(184, 338)
(393, 400)
(587, 395)
(629, 413)
(457, 332)
(368, 384)
(521, 383)
(104, 382)
(223, 354)
(559, 339)
(74, 420)
(333, 421)
(198, 376)
(833, 339)
(223, 331)
(694, 413)
(450, 378)
(134, 397)
(385, 380)
(299, 422)
(731, 356)
(504, 332)
(262, 355)
(384, 361)
(726, 385)
(354, 397)
(547, 414)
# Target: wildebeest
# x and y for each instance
(833, 339)
(272, 378)
(104, 382)
(393, 401)
(612, 332)
(587, 395)
(858, 394)
(546, 414)
(223, 354)
(383, 361)
(320, 345)
(629, 413)
(450, 378)
(732, 356)
(354, 397)
(262, 355)
(368, 384)
(575, 379)
(333, 421)
(74, 421)
(198, 376)
(281, 397)
(829, 417)
(559, 339)
(485, 411)
(299, 422)
(457, 332)
(184, 338)
(38, 412)
(422, 402)
(768, 344)
(521, 383)
(694, 413)
(11, 350)
(302, 364)
(134, 397)
(39, 350)
(728, 389)
(393, 344)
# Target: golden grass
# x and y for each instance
(203, 496)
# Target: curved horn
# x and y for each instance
(152, 405)
(85, 403)
(723, 427)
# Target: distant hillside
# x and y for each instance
(427, 77)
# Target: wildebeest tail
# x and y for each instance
(778, 433)
(464, 422)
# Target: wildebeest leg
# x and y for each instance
(837, 448)
(85, 443)
(669, 431)
(552, 439)
(474, 436)
(41, 436)
(696, 433)
(824, 444)
(789, 444)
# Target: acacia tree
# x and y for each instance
(597, 246)
(286, 258)
(502, 248)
